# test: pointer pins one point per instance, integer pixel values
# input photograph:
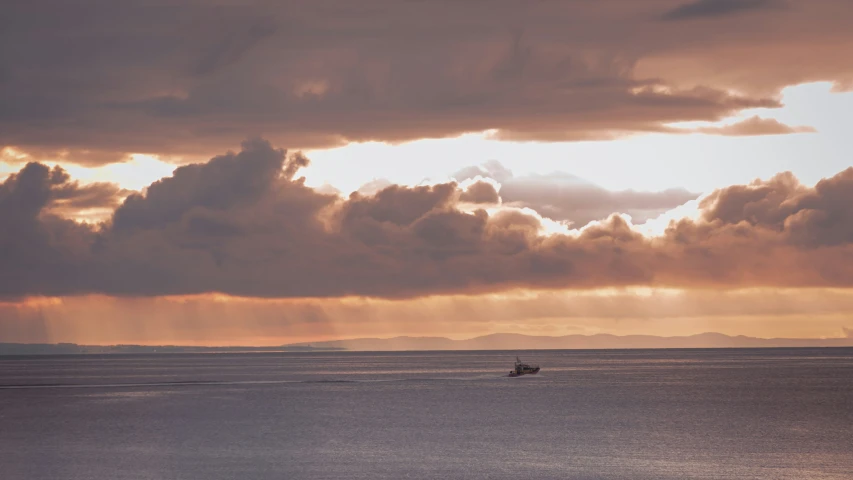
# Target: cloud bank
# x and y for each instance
(94, 81)
(244, 224)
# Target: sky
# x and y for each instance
(224, 173)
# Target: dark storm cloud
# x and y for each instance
(245, 225)
(564, 197)
(716, 8)
(92, 81)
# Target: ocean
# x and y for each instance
(624, 414)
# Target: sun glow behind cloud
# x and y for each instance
(135, 174)
(657, 161)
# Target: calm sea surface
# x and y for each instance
(630, 414)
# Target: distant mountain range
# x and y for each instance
(497, 341)
(511, 341)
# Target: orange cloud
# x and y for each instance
(756, 125)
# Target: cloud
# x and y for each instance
(191, 79)
(52, 191)
(565, 197)
(716, 8)
(374, 186)
(226, 182)
(243, 224)
(481, 191)
(755, 126)
(40, 190)
(92, 202)
(39, 251)
(813, 217)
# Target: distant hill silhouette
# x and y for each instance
(511, 341)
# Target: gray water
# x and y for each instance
(630, 414)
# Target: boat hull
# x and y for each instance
(516, 374)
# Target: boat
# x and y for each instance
(522, 368)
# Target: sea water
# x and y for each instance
(628, 414)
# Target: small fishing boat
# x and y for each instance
(522, 368)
